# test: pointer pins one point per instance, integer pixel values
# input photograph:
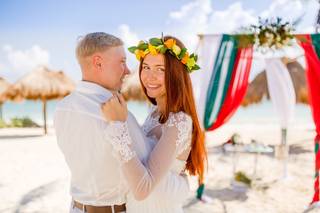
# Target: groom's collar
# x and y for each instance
(93, 88)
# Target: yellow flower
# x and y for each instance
(146, 52)
(185, 58)
(170, 43)
(139, 54)
(191, 62)
(152, 49)
(176, 49)
(159, 47)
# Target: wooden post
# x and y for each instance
(285, 151)
(45, 116)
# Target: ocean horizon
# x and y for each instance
(254, 114)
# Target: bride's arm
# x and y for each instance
(176, 137)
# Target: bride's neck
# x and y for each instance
(161, 103)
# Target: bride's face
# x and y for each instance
(153, 75)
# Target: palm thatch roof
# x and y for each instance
(3, 87)
(132, 89)
(258, 88)
(40, 84)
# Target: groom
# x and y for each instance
(97, 184)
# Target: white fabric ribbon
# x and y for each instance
(281, 90)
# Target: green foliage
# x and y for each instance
(23, 122)
(155, 41)
(241, 177)
(2, 123)
(182, 53)
(132, 49)
(143, 46)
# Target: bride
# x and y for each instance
(172, 129)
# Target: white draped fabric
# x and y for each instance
(281, 90)
(207, 51)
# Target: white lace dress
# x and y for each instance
(157, 185)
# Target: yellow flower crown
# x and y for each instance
(157, 45)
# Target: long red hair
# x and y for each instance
(179, 97)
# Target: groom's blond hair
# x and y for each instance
(95, 42)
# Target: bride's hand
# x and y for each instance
(115, 109)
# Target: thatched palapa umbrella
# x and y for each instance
(41, 84)
(3, 87)
(258, 88)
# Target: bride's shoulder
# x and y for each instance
(181, 124)
(178, 118)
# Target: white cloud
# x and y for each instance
(307, 29)
(25, 60)
(199, 17)
(310, 15)
(190, 20)
(231, 19)
(128, 37)
(18, 62)
(2, 66)
(289, 9)
(203, 6)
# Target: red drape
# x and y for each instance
(237, 88)
(313, 82)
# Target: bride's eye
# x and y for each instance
(145, 67)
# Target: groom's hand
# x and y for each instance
(115, 109)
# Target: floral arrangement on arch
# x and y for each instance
(268, 34)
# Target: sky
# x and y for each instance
(35, 32)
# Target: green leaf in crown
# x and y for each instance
(142, 45)
(132, 49)
(182, 53)
(155, 41)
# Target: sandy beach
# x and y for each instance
(35, 178)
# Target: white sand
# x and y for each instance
(34, 177)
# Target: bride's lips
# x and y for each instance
(152, 86)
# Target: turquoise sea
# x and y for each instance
(256, 113)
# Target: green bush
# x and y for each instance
(23, 122)
(242, 177)
(2, 123)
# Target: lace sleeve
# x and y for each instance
(183, 123)
(143, 177)
(118, 135)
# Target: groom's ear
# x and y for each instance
(97, 61)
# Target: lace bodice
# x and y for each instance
(151, 122)
(175, 138)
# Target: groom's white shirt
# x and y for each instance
(96, 177)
